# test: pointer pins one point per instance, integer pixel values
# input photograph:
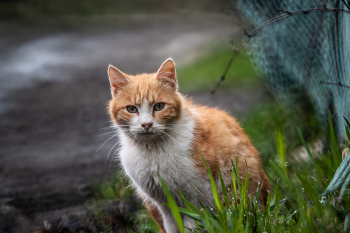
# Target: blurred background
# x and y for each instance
(57, 161)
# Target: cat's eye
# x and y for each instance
(131, 109)
(158, 106)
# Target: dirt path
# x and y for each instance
(54, 91)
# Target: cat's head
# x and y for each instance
(145, 106)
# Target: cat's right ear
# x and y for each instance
(167, 74)
(117, 79)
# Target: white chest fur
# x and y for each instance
(170, 158)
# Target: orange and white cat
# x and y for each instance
(161, 132)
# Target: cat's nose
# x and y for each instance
(147, 125)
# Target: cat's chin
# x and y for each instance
(146, 136)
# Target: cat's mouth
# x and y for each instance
(146, 136)
(146, 133)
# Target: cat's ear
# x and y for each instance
(117, 79)
(167, 73)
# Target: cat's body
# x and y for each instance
(163, 133)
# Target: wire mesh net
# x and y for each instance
(297, 54)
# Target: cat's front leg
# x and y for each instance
(170, 224)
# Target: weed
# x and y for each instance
(111, 189)
(296, 205)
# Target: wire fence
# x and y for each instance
(304, 58)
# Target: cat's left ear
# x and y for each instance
(117, 79)
(167, 73)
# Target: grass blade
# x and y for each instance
(277, 199)
(304, 143)
(172, 205)
(337, 159)
(281, 149)
(197, 211)
(270, 178)
(214, 188)
(187, 212)
(281, 173)
(245, 191)
(224, 192)
(347, 122)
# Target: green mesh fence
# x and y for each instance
(295, 54)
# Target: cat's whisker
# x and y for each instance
(106, 142)
(105, 133)
(106, 128)
(113, 127)
(112, 149)
(113, 157)
(132, 135)
(123, 127)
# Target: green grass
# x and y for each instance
(143, 222)
(295, 201)
(265, 121)
(272, 129)
(112, 188)
(202, 74)
(117, 188)
(297, 204)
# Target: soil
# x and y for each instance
(54, 91)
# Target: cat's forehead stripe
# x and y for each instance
(144, 105)
(143, 92)
(138, 98)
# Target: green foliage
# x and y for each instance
(261, 122)
(281, 149)
(202, 74)
(116, 188)
(295, 203)
(302, 208)
(142, 222)
(215, 190)
(113, 188)
(172, 205)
